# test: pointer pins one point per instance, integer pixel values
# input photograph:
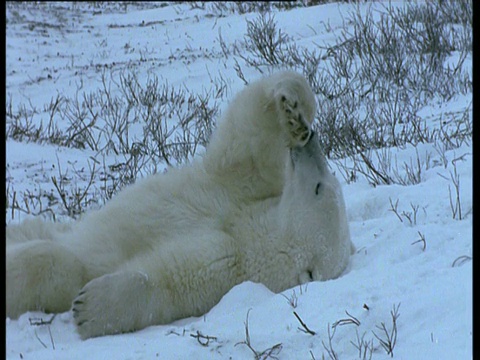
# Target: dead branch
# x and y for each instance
(305, 327)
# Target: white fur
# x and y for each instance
(171, 245)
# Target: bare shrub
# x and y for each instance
(224, 8)
(332, 354)
(364, 347)
(455, 203)
(370, 85)
(388, 338)
(147, 126)
(269, 353)
(28, 202)
(382, 70)
(75, 199)
(39, 322)
(264, 42)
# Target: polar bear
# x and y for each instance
(260, 205)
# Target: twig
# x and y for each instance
(41, 342)
(461, 260)
(394, 208)
(51, 337)
(457, 207)
(293, 300)
(305, 327)
(350, 320)
(422, 239)
(331, 352)
(203, 340)
(40, 321)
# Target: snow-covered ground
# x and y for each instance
(413, 260)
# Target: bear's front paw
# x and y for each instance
(110, 304)
(297, 126)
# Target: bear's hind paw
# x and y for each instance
(111, 304)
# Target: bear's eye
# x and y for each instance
(295, 105)
(317, 188)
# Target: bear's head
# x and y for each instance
(309, 175)
(313, 211)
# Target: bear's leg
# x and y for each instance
(41, 275)
(176, 281)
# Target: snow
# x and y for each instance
(429, 281)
